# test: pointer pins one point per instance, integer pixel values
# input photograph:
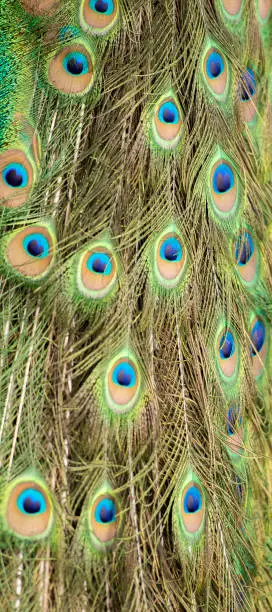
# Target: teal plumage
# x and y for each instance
(135, 310)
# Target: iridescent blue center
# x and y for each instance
(215, 65)
(223, 179)
(100, 263)
(234, 420)
(192, 500)
(75, 63)
(244, 249)
(105, 511)
(257, 337)
(124, 375)
(247, 87)
(31, 501)
(168, 113)
(36, 245)
(171, 250)
(227, 346)
(15, 175)
(105, 7)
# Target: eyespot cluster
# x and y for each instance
(28, 512)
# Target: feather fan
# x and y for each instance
(135, 311)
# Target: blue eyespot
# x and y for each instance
(105, 511)
(192, 500)
(223, 179)
(105, 7)
(171, 250)
(15, 175)
(36, 245)
(31, 501)
(247, 87)
(215, 65)
(244, 249)
(75, 63)
(234, 420)
(257, 337)
(168, 113)
(100, 263)
(124, 375)
(227, 345)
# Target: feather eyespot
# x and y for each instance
(223, 179)
(244, 249)
(31, 501)
(227, 353)
(224, 186)
(105, 512)
(75, 63)
(216, 73)
(192, 507)
(247, 86)
(215, 64)
(170, 259)
(122, 384)
(100, 263)
(247, 92)
(30, 252)
(258, 346)
(104, 519)
(257, 337)
(102, 6)
(17, 175)
(167, 125)
(36, 245)
(246, 257)
(234, 429)
(29, 511)
(71, 70)
(227, 346)
(189, 514)
(124, 375)
(98, 16)
(97, 271)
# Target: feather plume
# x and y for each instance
(135, 305)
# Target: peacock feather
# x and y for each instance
(135, 305)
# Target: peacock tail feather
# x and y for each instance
(135, 305)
